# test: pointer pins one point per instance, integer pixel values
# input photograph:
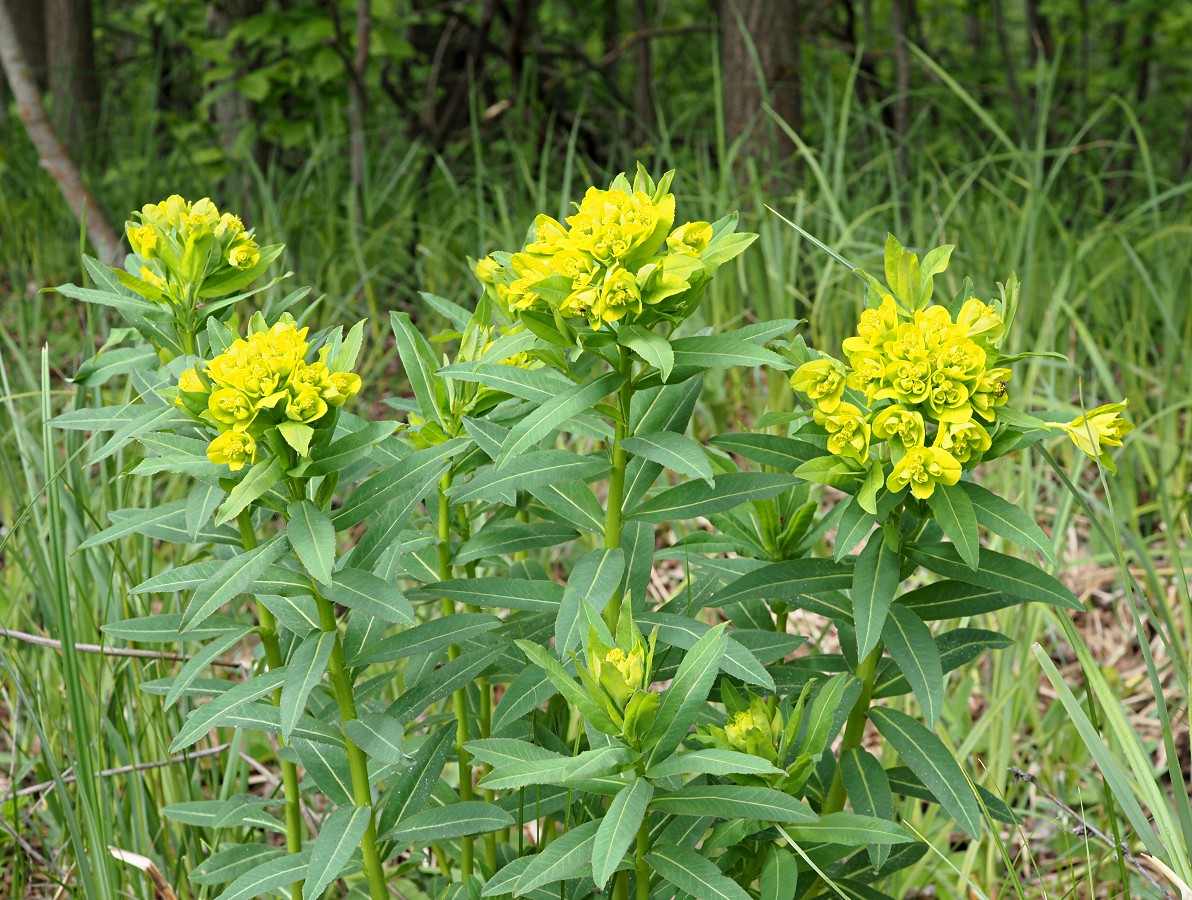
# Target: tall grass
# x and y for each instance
(1105, 280)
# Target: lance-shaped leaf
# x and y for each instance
(371, 594)
(721, 351)
(312, 536)
(787, 581)
(711, 761)
(563, 856)
(997, 572)
(232, 861)
(869, 792)
(933, 763)
(304, 671)
(696, 498)
(443, 823)
(733, 801)
(530, 689)
(687, 694)
(676, 452)
(498, 592)
(378, 735)
(851, 830)
(260, 478)
(203, 719)
(233, 578)
(550, 415)
(268, 876)
(1006, 520)
(526, 471)
(618, 828)
(780, 874)
(653, 348)
(201, 660)
(954, 511)
(690, 872)
(593, 579)
(340, 835)
(875, 580)
(913, 648)
(419, 363)
(412, 788)
(447, 678)
(572, 692)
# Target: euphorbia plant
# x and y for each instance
(649, 739)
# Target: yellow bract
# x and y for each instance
(1096, 431)
(259, 382)
(922, 468)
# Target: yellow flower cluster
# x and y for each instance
(260, 383)
(1097, 430)
(930, 387)
(616, 259)
(181, 245)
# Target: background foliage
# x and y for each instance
(1013, 129)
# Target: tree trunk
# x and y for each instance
(73, 75)
(53, 156)
(760, 52)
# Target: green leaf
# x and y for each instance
(501, 751)
(618, 829)
(327, 766)
(312, 536)
(869, 792)
(653, 348)
(414, 473)
(378, 735)
(956, 648)
(711, 761)
(783, 453)
(526, 471)
(954, 599)
(696, 498)
(449, 677)
(728, 801)
(787, 581)
(497, 592)
(828, 711)
(676, 452)
(411, 789)
(850, 830)
(269, 876)
(339, 837)
(721, 351)
(594, 579)
(350, 448)
(197, 663)
(552, 414)
(562, 857)
(875, 580)
(574, 501)
(854, 524)
(419, 363)
(429, 637)
(572, 692)
(684, 632)
(297, 435)
(163, 629)
(535, 385)
(780, 875)
(371, 594)
(201, 504)
(260, 478)
(932, 762)
(997, 572)
(530, 689)
(207, 716)
(683, 700)
(911, 645)
(232, 579)
(690, 872)
(442, 823)
(232, 861)
(505, 537)
(1008, 521)
(303, 672)
(956, 516)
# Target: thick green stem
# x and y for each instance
(614, 516)
(459, 699)
(642, 891)
(341, 683)
(854, 728)
(273, 660)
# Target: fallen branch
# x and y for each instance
(40, 641)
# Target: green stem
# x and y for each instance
(642, 891)
(854, 728)
(614, 511)
(341, 683)
(273, 660)
(459, 699)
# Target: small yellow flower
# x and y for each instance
(866, 372)
(190, 382)
(981, 322)
(306, 406)
(898, 424)
(822, 381)
(922, 468)
(848, 432)
(486, 270)
(232, 449)
(755, 730)
(990, 392)
(151, 277)
(244, 256)
(344, 386)
(618, 297)
(229, 224)
(230, 407)
(1096, 431)
(143, 239)
(874, 326)
(549, 236)
(690, 238)
(963, 439)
